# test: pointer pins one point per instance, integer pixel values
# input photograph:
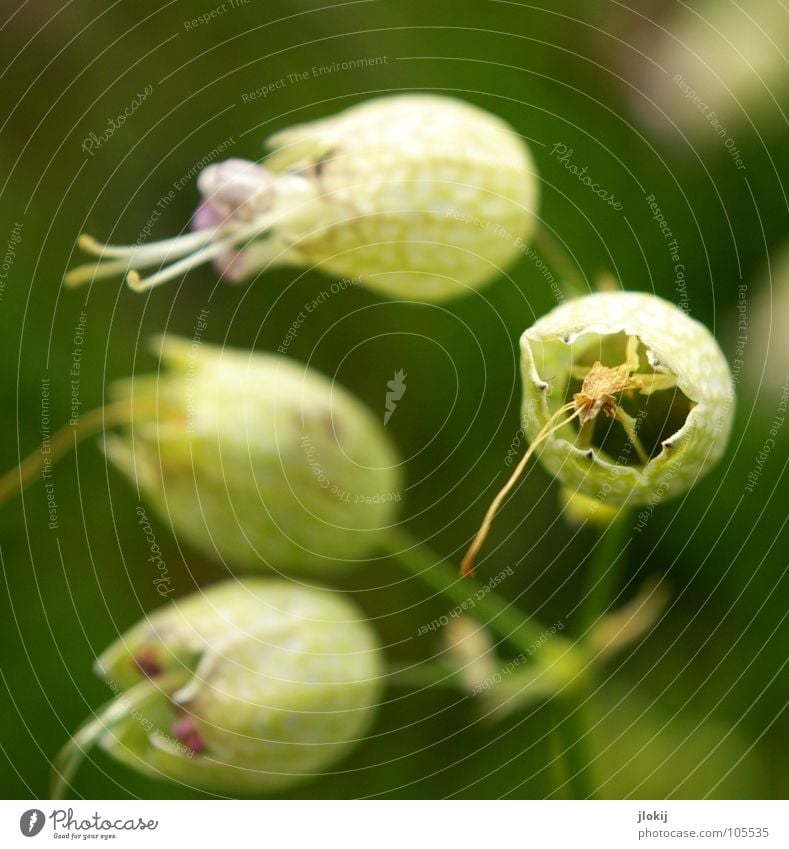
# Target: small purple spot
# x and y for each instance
(147, 663)
(185, 730)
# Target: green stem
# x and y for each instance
(573, 740)
(503, 618)
(600, 584)
(555, 255)
(564, 662)
(63, 441)
(604, 572)
(422, 675)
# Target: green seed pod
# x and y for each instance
(658, 376)
(417, 196)
(257, 460)
(441, 194)
(247, 687)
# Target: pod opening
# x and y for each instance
(647, 407)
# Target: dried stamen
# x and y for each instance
(189, 251)
(467, 566)
(241, 203)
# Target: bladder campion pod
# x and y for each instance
(249, 686)
(657, 376)
(257, 460)
(417, 196)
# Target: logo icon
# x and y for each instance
(396, 387)
(31, 822)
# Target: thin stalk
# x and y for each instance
(602, 578)
(572, 282)
(420, 676)
(63, 441)
(512, 626)
(573, 739)
(550, 427)
(502, 617)
(108, 716)
(604, 572)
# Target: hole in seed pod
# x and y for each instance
(653, 408)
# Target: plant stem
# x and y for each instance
(574, 745)
(109, 715)
(423, 675)
(63, 441)
(601, 580)
(554, 253)
(604, 572)
(503, 618)
(600, 583)
(510, 624)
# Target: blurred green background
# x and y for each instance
(698, 707)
